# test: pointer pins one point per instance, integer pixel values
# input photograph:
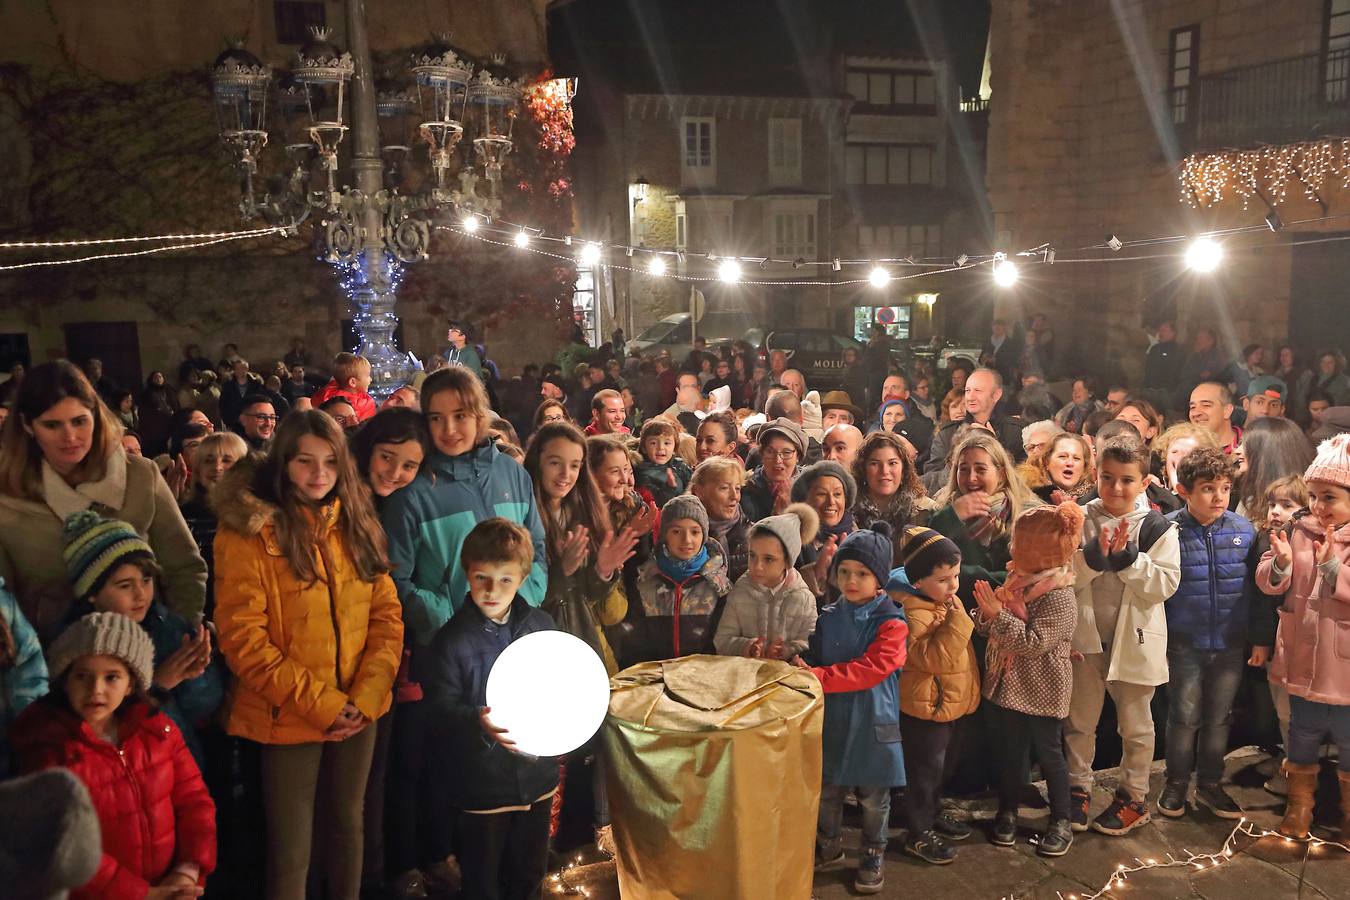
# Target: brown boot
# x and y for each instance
(1298, 812)
(1344, 778)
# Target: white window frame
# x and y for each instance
(785, 152)
(792, 228)
(696, 168)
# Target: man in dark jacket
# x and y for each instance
(876, 363)
(984, 389)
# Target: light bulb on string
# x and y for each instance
(1005, 271)
(656, 267)
(1204, 255)
(879, 277)
(590, 254)
(470, 223)
(522, 239)
(729, 270)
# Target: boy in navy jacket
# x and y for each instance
(502, 797)
(1208, 623)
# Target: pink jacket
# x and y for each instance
(1312, 646)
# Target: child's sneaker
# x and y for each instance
(829, 856)
(1004, 833)
(870, 878)
(950, 827)
(1056, 840)
(931, 848)
(1079, 800)
(1123, 815)
(1172, 801)
(1218, 801)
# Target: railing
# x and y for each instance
(975, 105)
(1288, 100)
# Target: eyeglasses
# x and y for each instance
(780, 455)
(263, 417)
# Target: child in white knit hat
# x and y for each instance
(1309, 564)
(771, 611)
(157, 819)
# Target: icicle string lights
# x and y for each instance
(1267, 173)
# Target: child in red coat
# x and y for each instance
(157, 819)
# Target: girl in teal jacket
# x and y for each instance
(464, 481)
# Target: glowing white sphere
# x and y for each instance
(590, 254)
(1204, 255)
(879, 277)
(1005, 273)
(470, 223)
(522, 239)
(729, 270)
(550, 691)
(657, 266)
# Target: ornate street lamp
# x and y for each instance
(329, 100)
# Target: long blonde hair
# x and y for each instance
(20, 457)
(295, 520)
(1013, 488)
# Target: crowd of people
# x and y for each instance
(254, 616)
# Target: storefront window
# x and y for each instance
(895, 318)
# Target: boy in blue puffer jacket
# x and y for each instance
(1208, 622)
(857, 651)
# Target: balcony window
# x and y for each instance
(895, 164)
(1336, 40)
(899, 91)
(698, 151)
(785, 152)
(794, 235)
(1183, 58)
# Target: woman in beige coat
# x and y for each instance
(60, 453)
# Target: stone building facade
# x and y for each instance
(1097, 108)
(847, 156)
(108, 130)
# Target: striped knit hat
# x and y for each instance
(94, 545)
(921, 549)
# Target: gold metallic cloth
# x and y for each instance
(714, 778)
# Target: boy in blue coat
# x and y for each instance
(1208, 621)
(857, 651)
(503, 798)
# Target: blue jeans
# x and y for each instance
(1310, 723)
(1200, 694)
(876, 809)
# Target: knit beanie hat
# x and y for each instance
(684, 506)
(1045, 537)
(49, 835)
(921, 549)
(796, 526)
(869, 546)
(94, 545)
(105, 634)
(1332, 463)
(825, 468)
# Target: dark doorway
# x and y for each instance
(351, 341)
(14, 349)
(116, 343)
(1318, 294)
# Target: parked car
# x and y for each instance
(674, 335)
(817, 352)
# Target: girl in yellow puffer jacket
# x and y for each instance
(311, 626)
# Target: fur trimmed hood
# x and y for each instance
(236, 505)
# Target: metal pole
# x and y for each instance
(373, 287)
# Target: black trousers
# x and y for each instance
(418, 823)
(503, 856)
(1018, 731)
(926, 745)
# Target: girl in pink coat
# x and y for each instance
(1309, 563)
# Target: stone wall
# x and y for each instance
(1081, 146)
(106, 129)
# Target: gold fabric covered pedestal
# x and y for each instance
(714, 778)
